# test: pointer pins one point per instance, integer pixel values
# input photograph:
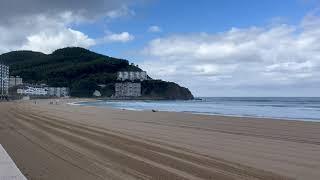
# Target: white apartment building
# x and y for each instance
(4, 80)
(33, 91)
(58, 91)
(132, 75)
(15, 81)
(127, 89)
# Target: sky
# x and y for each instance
(215, 48)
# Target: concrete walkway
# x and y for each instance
(8, 169)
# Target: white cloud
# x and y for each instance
(251, 57)
(120, 12)
(42, 33)
(121, 37)
(154, 29)
(56, 40)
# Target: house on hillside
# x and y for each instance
(130, 85)
(132, 75)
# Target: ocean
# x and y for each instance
(290, 108)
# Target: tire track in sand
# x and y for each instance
(148, 160)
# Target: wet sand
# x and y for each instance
(71, 142)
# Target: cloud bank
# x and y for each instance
(44, 25)
(281, 56)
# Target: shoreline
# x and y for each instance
(61, 141)
(79, 103)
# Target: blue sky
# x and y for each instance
(215, 48)
(176, 17)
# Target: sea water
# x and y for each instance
(291, 108)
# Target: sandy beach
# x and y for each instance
(61, 141)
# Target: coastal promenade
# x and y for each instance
(8, 169)
(60, 141)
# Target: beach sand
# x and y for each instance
(60, 141)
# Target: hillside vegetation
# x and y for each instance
(82, 70)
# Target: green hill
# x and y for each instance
(83, 70)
